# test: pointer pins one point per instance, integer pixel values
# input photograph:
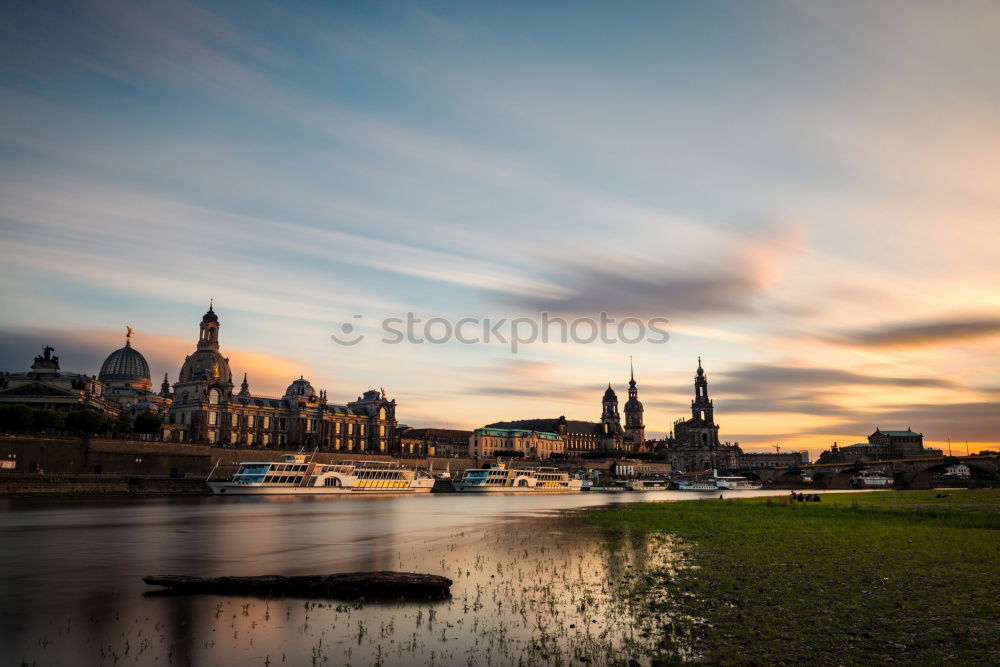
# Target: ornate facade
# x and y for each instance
(205, 408)
(533, 444)
(446, 442)
(606, 434)
(881, 445)
(695, 443)
(127, 381)
(46, 386)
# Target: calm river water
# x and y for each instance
(533, 583)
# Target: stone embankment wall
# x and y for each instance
(107, 457)
(73, 465)
(126, 460)
(14, 484)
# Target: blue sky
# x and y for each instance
(807, 191)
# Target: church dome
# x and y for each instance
(125, 365)
(300, 387)
(633, 405)
(609, 394)
(206, 364)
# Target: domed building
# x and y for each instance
(126, 368)
(126, 377)
(48, 387)
(207, 363)
(206, 410)
(300, 387)
(582, 436)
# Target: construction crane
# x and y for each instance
(777, 449)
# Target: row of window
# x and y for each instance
(265, 439)
(264, 422)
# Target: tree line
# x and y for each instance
(23, 419)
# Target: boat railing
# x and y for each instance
(371, 464)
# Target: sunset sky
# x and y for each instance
(808, 191)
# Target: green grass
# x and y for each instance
(893, 577)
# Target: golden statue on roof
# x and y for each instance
(128, 335)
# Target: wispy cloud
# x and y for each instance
(770, 378)
(774, 188)
(925, 333)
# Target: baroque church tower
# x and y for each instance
(702, 431)
(635, 430)
(702, 409)
(695, 446)
(204, 384)
(611, 423)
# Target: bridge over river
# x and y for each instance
(917, 473)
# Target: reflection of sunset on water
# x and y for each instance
(530, 588)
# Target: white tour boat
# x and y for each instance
(501, 479)
(297, 475)
(871, 479)
(707, 484)
(737, 484)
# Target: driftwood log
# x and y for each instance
(384, 585)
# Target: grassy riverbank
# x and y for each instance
(889, 577)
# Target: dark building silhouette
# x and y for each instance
(694, 445)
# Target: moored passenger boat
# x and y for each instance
(871, 479)
(737, 484)
(501, 479)
(707, 484)
(296, 475)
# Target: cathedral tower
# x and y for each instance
(635, 430)
(611, 423)
(701, 430)
(701, 407)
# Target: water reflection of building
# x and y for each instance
(206, 409)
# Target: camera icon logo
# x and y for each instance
(347, 336)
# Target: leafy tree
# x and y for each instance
(148, 422)
(44, 419)
(508, 454)
(122, 424)
(15, 417)
(87, 422)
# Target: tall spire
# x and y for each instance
(634, 428)
(701, 406)
(244, 386)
